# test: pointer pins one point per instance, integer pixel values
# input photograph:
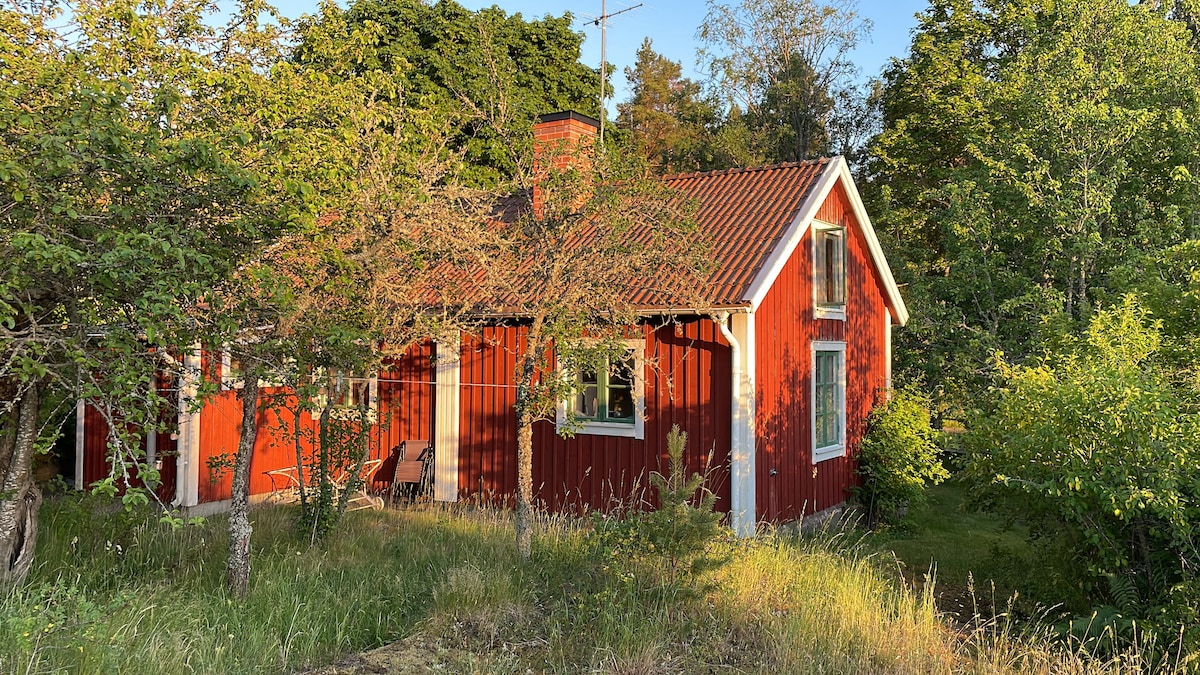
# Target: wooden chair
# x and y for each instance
(400, 473)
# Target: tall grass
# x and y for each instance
(120, 593)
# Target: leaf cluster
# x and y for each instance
(1094, 449)
(898, 455)
(674, 539)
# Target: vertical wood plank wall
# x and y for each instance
(95, 456)
(405, 410)
(686, 383)
(786, 330)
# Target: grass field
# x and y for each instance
(439, 590)
(981, 565)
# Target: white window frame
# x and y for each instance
(344, 412)
(839, 449)
(566, 421)
(820, 311)
(231, 383)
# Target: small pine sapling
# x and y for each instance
(685, 522)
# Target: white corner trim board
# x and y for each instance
(446, 422)
(187, 471)
(80, 440)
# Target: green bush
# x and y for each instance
(898, 456)
(1096, 450)
(672, 540)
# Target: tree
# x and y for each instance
(596, 233)
(668, 119)
(446, 58)
(1095, 450)
(122, 199)
(784, 63)
(349, 281)
(1041, 146)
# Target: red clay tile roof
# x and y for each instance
(745, 213)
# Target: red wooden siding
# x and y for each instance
(686, 383)
(95, 454)
(405, 399)
(405, 411)
(785, 330)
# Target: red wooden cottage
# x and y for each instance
(773, 378)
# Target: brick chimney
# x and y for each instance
(564, 137)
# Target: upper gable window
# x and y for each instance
(829, 271)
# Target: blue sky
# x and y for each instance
(672, 25)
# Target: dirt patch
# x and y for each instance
(415, 654)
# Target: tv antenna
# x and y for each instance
(602, 22)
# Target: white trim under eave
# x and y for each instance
(836, 169)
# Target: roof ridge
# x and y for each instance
(748, 169)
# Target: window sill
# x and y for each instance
(835, 313)
(604, 429)
(831, 452)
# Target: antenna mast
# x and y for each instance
(602, 22)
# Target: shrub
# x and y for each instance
(1097, 452)
(898, 457)
(672, 540)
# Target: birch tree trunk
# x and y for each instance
(19, 497)
(237, 567)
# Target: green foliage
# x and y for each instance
(491, 72)
(674, 540)
(668, 120)
(447, 591)
(1096, 452)
(1029, 150)
(784, 64)
(898, 456)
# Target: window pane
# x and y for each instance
(588, 376)
(622, 374)
(587, 401)
(819, 268)
(828, 398)
(620, 403)
(829, 267)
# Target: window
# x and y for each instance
(829, 271)
(828, 400)
(355, 393)
(233, 372)
(607, 401)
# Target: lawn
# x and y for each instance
(443, 590)
(980, 564)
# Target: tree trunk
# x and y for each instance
(525, 484)
(237, 567)
(525, 417)
(20, 497)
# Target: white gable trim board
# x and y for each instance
(836, 170)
